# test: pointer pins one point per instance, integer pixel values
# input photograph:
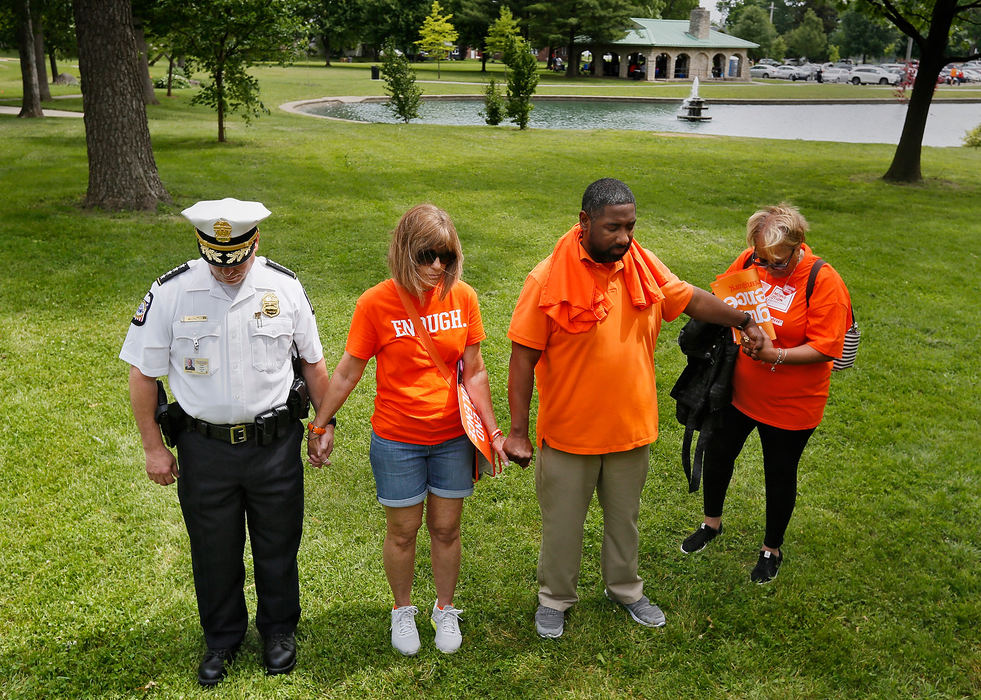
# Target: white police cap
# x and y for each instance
(226, 229)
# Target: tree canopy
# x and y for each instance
(858, 34)
(225, 37)
(754, 25)
(808, 38)
(437, 35)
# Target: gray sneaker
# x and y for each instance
(642, 611)
(549, 622)
(405, 636)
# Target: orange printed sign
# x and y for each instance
(742, 290)
(474, 427)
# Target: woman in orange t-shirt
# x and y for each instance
(782, 392)
(420, 455)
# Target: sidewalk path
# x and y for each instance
(47, 112)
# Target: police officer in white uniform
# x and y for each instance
(224, 329)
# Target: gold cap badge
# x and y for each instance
(270, 304)
(223, 231)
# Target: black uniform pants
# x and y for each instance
(222, 488)
(782, 450)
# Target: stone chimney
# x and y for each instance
(699, 24)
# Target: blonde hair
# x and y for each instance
(772, 227)
(423, 227)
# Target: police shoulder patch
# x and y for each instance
(279, 268)
(167, 276)
(139, 318)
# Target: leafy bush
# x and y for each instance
(973, 137)
(179, 82)
(493, 104)
(522, 81)
(400, 83)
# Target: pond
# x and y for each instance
(846, 123)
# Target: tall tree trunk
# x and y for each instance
(905, 166)
(149, 96)
(31, 102)
(54, 66)
(572, 67)
(122, 170)
(325, 38)
(42, 69)
(220, 99)
(170, 74)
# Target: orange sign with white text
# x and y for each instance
(475, 430)
(742, 290)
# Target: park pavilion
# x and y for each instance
(666, 49)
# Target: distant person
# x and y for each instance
(222, 329)
(420, 456)
(783, 391)
(584, 331)
(819, 75)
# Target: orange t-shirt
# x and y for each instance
(793, 397)
(596, 391)
(413, 403)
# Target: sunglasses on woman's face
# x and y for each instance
(773, 265)
(430, 255)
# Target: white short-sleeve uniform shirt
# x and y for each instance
(225, 350)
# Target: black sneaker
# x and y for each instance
(696, 541)
(766, 568)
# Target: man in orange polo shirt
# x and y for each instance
(584, 330)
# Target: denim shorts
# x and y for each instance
(404, 472)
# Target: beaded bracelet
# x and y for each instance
(779, 360)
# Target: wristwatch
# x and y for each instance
(745, 322)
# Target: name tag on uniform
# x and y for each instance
(196, 365)
(192, 319)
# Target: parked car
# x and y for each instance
(809, 69)
(836, 75)
(791, 73)
(768, 62)
(781, 72)
(871, 75)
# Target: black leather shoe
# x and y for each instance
(279, 654)
(212, 668)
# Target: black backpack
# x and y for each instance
(703, 389)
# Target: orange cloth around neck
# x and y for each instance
(597, 388)
(570, 295)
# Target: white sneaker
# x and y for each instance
(405, 636)
(446, 622)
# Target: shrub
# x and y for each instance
(973, 137)
(522, 81)
(179, 82)
(400, 83)
(493, 104)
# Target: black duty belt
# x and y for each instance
(232, 434)
(266, 427)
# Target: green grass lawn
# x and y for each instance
(880, 595)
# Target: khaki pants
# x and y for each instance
(564, 484)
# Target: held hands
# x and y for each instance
(319, 447)
(519, 448)
(497, 444)
(754, 340)
(161, 467)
